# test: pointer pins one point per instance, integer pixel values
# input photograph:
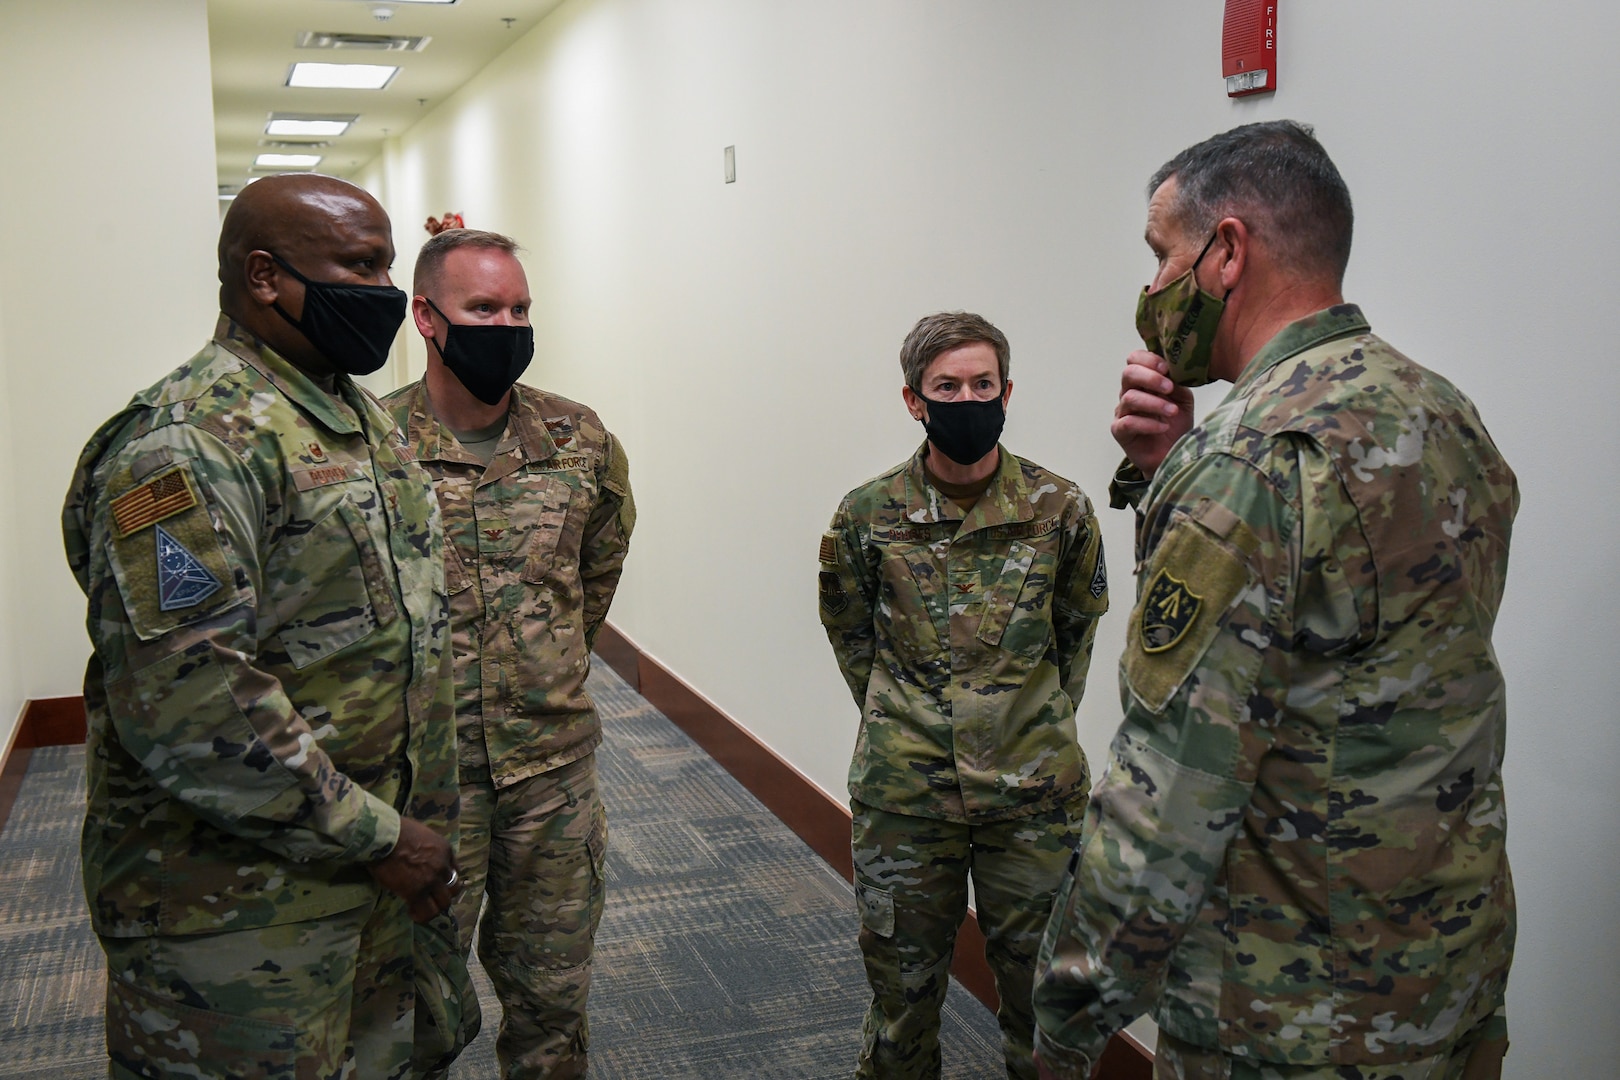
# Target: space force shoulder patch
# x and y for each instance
(165, 554)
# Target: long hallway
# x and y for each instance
(727, 948)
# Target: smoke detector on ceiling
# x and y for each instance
(382, 14)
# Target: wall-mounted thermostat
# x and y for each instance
(1249, 47)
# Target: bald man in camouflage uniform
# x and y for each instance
(271, 751)
(537, 513)
(960, 591)
(1296, 859)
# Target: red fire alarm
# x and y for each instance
(1249, 47)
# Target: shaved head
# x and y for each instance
(285, 215)
(325, 229)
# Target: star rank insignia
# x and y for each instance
(1169, 612)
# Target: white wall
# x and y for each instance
(903, 156)
(106, 276)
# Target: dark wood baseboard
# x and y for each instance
(820, 820)
(45, 722)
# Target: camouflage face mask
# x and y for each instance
(1178, 323)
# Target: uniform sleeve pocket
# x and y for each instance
(166, 555)
(1186, 593)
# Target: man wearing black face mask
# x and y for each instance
(960, 591)
(537, 515)
(271, 795)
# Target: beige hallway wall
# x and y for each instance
(902, 156)
(106, 275)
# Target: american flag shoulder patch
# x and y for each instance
(147, 504)
(829, 548)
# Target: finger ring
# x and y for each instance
(453, 878)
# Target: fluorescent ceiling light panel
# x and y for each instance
(286, 161)
(341, 76)
(289, 126)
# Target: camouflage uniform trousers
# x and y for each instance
(317, 1000)
(911, 885)
(536, 848)
(1477, 1056)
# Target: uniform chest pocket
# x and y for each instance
(540, 514)
(1018, 602)
(911, 600)
(329, 587)
(457, 572)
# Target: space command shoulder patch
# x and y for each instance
(166, 555)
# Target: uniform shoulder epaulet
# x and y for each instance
(192, 380)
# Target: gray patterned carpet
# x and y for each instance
(727, 949)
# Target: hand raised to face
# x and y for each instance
(1152, 413)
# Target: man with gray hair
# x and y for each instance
(1296, 857)
(960, 591)
(537, 510)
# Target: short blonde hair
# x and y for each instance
(430, 260)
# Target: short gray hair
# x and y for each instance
(430, 260)
(935, 334)
(1278, 180)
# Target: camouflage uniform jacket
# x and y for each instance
(1298, 848)
(534, 546)
(269, 688)
(965, 641)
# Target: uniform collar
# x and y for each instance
(1006, 500)
(525, 440)
(340, 416)
(1340, 320)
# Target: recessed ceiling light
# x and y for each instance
(289, 124)
(286, 161)
(341, 76)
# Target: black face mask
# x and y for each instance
(964, 431)
(351, 325)
(487, 358)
